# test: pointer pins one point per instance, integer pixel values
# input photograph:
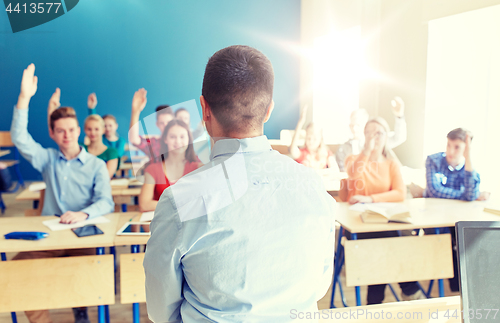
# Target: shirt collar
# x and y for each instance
(457, 168)
(246, 145)
(83, 156)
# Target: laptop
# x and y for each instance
(478, 245)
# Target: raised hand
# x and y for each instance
(369, 143)
(92, 101)
(303, 114)
(54, 102)
(139, 100)
(398, 106)
(29, 83)
(468, 139)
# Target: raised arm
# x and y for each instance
(471, 178)
(92, 103)
(355, 166)
(163, 263)
(29, 148)
(398, 136)
(54, 104)
(138, 103)
(294, 149)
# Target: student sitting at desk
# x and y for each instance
(358, 121)
(77, 182)
(178, 160)
(374, 176)
(150, 146)
(450, 175)
(94, 129)
(315, 154)
(110, 137)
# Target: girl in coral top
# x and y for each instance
(177, 160)
(375, 176)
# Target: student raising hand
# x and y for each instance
(92, 101)
(29, 85)
(54, 104)
(139, 100)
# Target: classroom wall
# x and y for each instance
(114, 47)
(397, 48)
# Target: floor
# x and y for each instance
(123, 313)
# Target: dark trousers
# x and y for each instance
(376, 293)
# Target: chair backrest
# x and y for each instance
(38, 284)
(5, 140)
(38, 210)
(132, 278)
(400, 259)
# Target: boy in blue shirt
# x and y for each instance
(77, 182)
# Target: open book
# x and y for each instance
(383, 212)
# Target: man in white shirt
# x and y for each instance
(248, 237)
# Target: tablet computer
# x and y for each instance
(135, 228)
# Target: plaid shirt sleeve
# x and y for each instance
(434, 186)
(471, 184)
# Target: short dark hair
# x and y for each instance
(164, 109)
(190, 154)
(459, 133)
(61, 113)
(238, 87)
(109, 116)
(180, 110)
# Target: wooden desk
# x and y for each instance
(97, 270)
(443, 309)
(129, 240)
(64, 239)
(425, 212)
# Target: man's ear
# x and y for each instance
(269, 111)
(79, 131)
(205, 109)
(51, 133)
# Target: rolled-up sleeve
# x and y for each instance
(162, 263)
(32, 151)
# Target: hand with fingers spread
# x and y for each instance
(29, 85)
(398, 106)
(369, 143)
(92, 101)
(73, 217)
(138, 103)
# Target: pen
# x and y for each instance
(58, 215)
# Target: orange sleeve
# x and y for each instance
(398, 188)
(355, 165)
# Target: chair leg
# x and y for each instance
(393, 292)
(17, 169)
(2, 204)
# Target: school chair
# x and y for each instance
(6, 142)
(132, 282)
(70, 282)
(398, 259)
